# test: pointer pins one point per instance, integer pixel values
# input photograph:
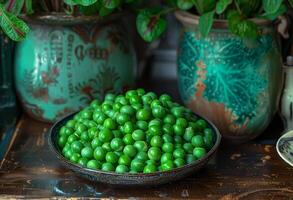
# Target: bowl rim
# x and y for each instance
(157, 173)
(285, 134)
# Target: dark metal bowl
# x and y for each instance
(127, 178)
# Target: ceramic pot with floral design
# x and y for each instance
(233, 82)
(65, 62)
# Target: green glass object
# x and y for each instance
(64, 64)
(233, 82)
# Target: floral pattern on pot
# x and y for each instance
(60, 69)
(231, 81)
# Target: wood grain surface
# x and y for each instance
(246, 171)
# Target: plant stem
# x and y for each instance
(237, 7)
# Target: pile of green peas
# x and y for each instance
(137, 132)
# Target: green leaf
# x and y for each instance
(15, 28)
(222, 5)
(272, 16)
(242, 27)
(80, 2)
(205, 23)
(271, 6)
(105, 11)
(111, 4)
(249, 7)
(14, 6)
(29, 7)
(90, 10)
(150, 25)
(185, 4)
(290, 2)
(203, 6)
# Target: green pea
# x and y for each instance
(150, 168)
(137, 165)
(111, 157)
(122, 118)
(95, 103)
(143, 114)
(87, 152)
(167, 138)
(199, 152)
(190, 158)
(178, 129)
(117, 106)
(166, 157)
(93, 164)
(156, 141)
(117, 144)
(120, 169)
(100, 153)
(168, 147)
(155, 130)
(128, 127)
(138, 135)
(143, 125)
(84, 136)
(128, 140)
(71, 124)
(155, 103)
(158, 111)
(107, 146)
(188, 147)
(201, 124)
(83, 161)
(124, 160)
(142, 156)
(169, 119)
(189, 133)
(129, 150)
(147, 99)
(154, 153)
(108, 167)
(140, 146)
(110, 97)
(179, 162)
(182, 122)
(99, 117)
(105, 135)
(179, 153)
(75, 157)
(169, 165)
(110, 124)
(71, 139)
(76, 146)
(168, 129)
(197, 141)
(140, 91)
(62, 141)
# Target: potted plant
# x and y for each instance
(71, 52)
(229, 65)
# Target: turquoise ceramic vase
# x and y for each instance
(65, 62)
(233, 82)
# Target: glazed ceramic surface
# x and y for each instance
(286, 101)
(233, 82)
(60, 69)
(285, 147)
(138, 179)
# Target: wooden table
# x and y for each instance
(247, 171)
